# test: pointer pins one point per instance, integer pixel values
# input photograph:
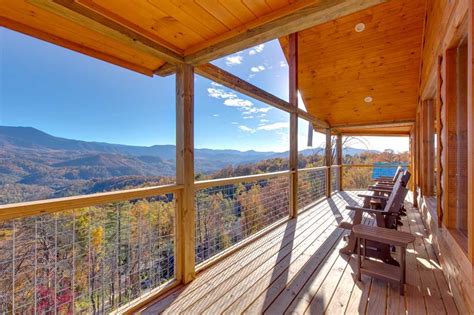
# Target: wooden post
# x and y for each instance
(416, 166)
(328, 162)
(412, 160)
(185, 214)
(439, 143)
(427, 143)
(293, 79)
(470, 136)
(339, 158)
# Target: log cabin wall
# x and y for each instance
(447, 51)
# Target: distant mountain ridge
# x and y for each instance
(31, 138)
(35, 165)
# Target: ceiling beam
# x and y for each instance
(231, 81)
(90, 19)
(165, 70)
(372, 125)
(376, 134)
(252, 34)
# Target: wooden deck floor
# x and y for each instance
(297, 269)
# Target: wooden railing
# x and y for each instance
(24, 209)
(90, 254)
(231, 211)
(117, 250)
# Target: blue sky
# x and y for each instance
(70, 95)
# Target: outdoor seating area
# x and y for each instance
(297, 268)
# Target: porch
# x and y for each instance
(297, 268)
(362, 68)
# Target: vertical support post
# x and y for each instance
(427, 135)
(328, 162)
(417, 159)
(470, 136)
(293, 79)
(439, 143)
(339, 159)
(413, 168)
(185, 216)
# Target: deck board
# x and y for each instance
(297, 269)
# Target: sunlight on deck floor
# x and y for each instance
(297, 268)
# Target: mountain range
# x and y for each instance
(32, 158)
(33, 139)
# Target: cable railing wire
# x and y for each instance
(89, 260)
(335, 180)
(311, 186)
(230, 213)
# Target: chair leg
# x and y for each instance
(358, 260)
(349, 249)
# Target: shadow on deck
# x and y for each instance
(297, 268)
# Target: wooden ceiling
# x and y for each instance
(146, 35)
(339, 67)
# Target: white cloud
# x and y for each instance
(215, 83)
(264, 120)
(247, 117)
(238, 102)
(220, 93)
(275, 126)
(215, 115)
(246, 129)
(257, 68)
(283, 63)
(233, 60)
(234, 123)
(231, 99)
(257, 49)
(255, 110)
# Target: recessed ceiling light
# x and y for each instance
(360, 27)
(368, 99)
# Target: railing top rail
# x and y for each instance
(31, 208)
(376, 165)
(239, 179)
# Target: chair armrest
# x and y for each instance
(384, 182)
(373, 197)
(387, 191)
(383, 186)
(373, 211)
